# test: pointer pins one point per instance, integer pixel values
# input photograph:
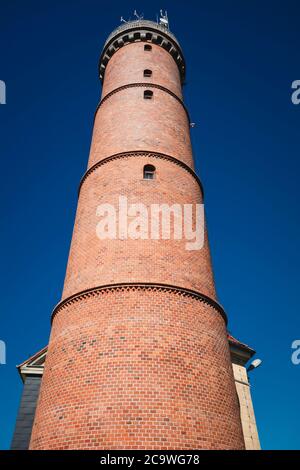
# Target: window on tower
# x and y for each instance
(147, 73)
(149, 172)
(148, 94)
(147, 47)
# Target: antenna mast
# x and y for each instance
(163, 19)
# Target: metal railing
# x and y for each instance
(140, 24)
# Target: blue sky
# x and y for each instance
(241, 60)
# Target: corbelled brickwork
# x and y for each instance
(138, 355)
(128, 64)
(159, 125)
(150, 368)
(92, 263)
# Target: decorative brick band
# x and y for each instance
(141, 153)
(123, 287)
(143, 85)
(141, 31)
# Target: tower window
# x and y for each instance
(147, 47)
(147, 73)
(149, 172)
(148, 94)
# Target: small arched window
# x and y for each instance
(148, 94)
(147, 73)
(147, 47)
(149, 172)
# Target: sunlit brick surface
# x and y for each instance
(93, 262)
(126, 122)
(140, 367)
(128, 64)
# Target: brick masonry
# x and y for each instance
(92, 263)
(146, 369)
(160, 125)
(140, 367)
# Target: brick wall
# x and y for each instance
(137, 368)
(140, 366)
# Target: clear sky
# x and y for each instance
(242, 57)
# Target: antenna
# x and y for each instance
(139, 17)
(163, 19)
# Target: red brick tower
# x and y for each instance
(138, 354)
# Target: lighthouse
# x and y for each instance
(138, 356)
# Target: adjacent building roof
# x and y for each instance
(232, 340)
